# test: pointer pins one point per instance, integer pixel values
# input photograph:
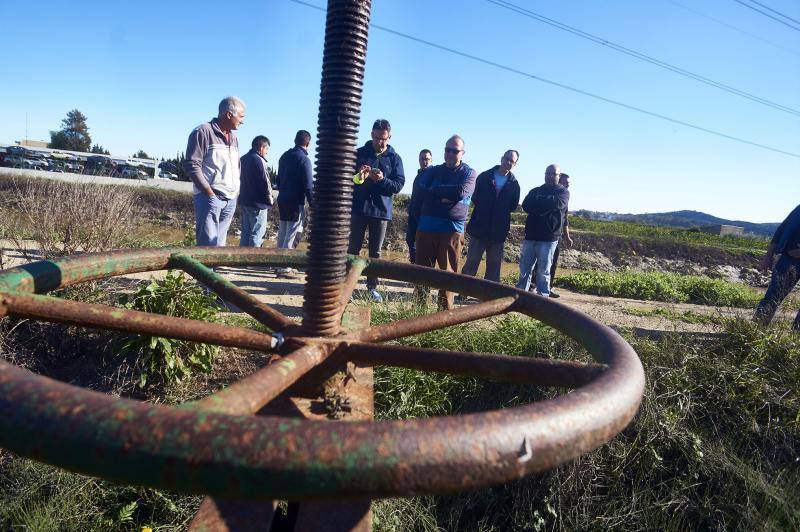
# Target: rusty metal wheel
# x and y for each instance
(216, 446)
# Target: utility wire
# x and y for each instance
(734, 28)
(563, 86)
(643, 57)
(787, 17)
(776, 19)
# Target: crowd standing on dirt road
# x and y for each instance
(785, 272)
(437, 210)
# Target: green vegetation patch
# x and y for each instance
(658, 286)
(686, 316)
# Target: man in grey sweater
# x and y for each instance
(212, 163)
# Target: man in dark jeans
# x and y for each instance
(379, 176)
(563, 180)
(786, 243)
(415, 207)
(496, 196)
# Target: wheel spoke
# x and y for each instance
(357, 266)
(133, 321)
(248, 395)
(231, 293)
(446, 318)
(518, 369)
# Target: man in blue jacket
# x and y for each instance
(379, 171)
(786, 273)
(255, 193)
(445, 191)
(295, 186)
(547, 209)
(496, 197)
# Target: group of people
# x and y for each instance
(437, 211)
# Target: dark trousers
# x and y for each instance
(411, 238)
(785, 275)
(443, 249)
(494, 258)
(377, 232)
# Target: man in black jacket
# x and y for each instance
(563, 180)
(295, 186)
(496, 196)
(255, 193)
(547, 208)
(415, 207)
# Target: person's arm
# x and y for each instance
(514, 203)
(308, 179)
(456, 193)
(768, 258)
(567, 239)
(263, 175)
(193, 164)
(527, 203)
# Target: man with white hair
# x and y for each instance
(212, 163)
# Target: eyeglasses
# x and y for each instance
(452, 150)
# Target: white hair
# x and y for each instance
(231, 104)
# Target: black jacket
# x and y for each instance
(295, 183)
(255, 189)
(491, 217)
(547, 209)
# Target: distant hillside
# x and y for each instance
(680, 219)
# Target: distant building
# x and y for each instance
(33, 143)
(723, 230)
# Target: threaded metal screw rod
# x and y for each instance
(343, 61)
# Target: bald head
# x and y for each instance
(551, 174)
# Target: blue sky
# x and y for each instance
(146, 73)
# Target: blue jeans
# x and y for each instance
(538, 255)
(213, 217)
(785, 275)
(254, 226)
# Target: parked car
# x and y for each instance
(35, 164)
(132, 172)
(13, 161)
(167, 175)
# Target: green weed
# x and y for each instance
(168, 360)
(686, 316)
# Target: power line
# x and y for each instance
(643, 57)
(562, 86)
(787, 17)
(734, 28)
(776, 19)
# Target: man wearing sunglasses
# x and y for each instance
(379, 176)
(444, 191)
(496, 197)
(547, 209)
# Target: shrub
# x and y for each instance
(64, 218)
(165, 359)
(656, 286)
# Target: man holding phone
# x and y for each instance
(379, 176)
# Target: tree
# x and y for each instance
(99, 149)
(73, 135)
(141, 154)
